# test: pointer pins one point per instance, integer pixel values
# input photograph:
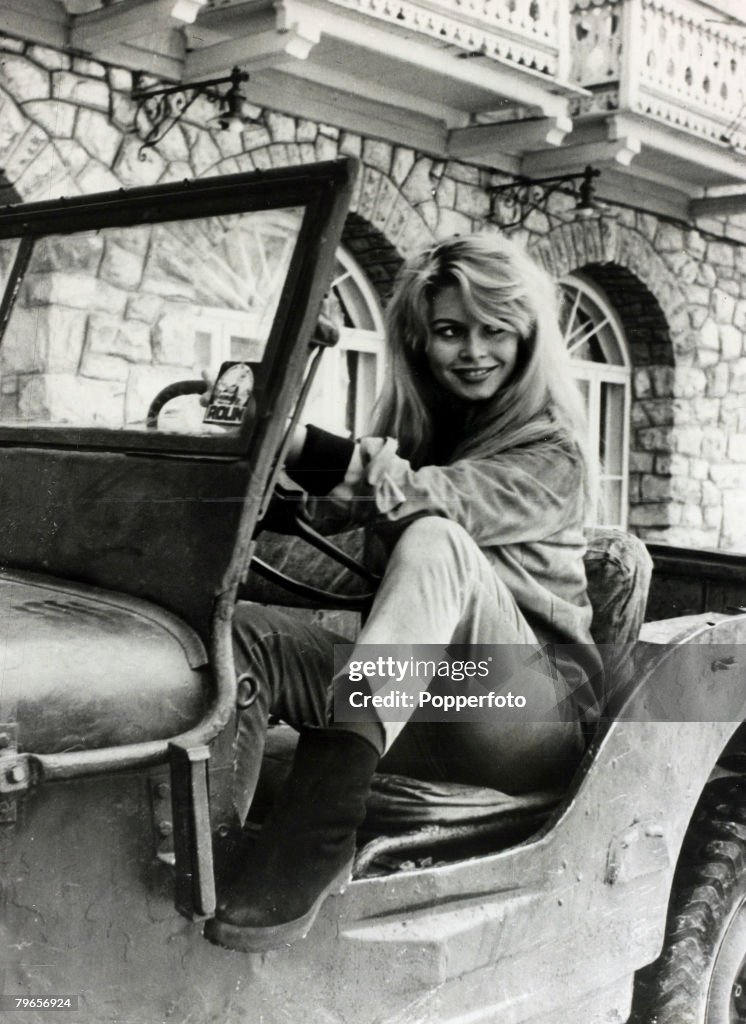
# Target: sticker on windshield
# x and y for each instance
(231, 394)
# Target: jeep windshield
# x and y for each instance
(112, 300)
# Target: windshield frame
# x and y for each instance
(322, 190)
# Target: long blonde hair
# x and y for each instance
(498, 281)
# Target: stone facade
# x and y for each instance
(104, 320)
(65, 128)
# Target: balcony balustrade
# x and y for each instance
(652, 92)
(668, 60)
(528, 33)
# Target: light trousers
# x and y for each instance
(438, 589)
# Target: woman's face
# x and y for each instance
(470, 359)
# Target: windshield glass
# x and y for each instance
(8, 251)
(104, 320)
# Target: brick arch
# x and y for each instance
(33, 167)
(652, 309)
(39, 165)
(378, 202)
(374, 253)
(23, 141)
(383, 226)
(646, 327)
(653, 410)
(624, 264)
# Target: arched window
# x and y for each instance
(354, 367)
(595, 339)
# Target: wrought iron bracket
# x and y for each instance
(518, 198)
(162, 108)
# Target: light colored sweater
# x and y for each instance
(523, 508)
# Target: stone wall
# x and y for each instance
(65, 128)
(682, 300)
(104, 320)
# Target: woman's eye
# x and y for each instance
(493, 331)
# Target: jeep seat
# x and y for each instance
(84, 668)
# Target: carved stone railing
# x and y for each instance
(527, 33)
(667, 59)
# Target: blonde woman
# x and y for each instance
(472, 489)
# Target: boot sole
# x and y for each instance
(251, 939)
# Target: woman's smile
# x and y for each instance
(469, 358)
(471, 374)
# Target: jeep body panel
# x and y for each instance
(551, 930)
(71, 654)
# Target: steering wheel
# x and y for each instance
(167, 394)
(286, 514)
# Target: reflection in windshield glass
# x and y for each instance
(105, 320)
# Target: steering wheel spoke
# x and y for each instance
(286, 514)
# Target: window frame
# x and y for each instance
(362, 340)
(595, 374)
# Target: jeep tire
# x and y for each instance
(700, 977)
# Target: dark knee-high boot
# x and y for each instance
(305, 848)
